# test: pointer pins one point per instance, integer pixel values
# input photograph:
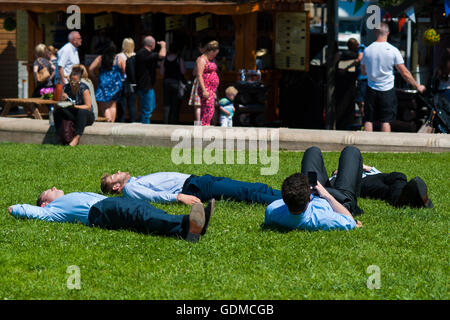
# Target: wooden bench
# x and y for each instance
(34, 107)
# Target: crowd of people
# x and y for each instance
(119, 78)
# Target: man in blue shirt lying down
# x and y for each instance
(185, 188)
(115, 213)
(304, 207)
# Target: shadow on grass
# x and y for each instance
(50, 136)
(280, 229)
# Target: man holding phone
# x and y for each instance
(308, 205)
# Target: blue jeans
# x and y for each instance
(116, 213)
(148, 104)
(207, 187)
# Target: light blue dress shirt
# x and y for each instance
(72, 207)
(318, 216)
(156, 187)
(68, 57)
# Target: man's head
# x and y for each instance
(353, 44)
(149, 43)
(114, 183)
(48, 196)
(75, 39)
(296, 192)
(382, 31)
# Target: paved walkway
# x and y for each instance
(38, 131)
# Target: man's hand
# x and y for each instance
(421, 88)
(162, 43)
(358, 224)
(323, 193)
(366, 168)
(10, 210)
(187, 199)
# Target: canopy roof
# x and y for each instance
(143, 6)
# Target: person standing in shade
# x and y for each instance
(173, 70)
(129, 95)
(361, 80)
(68, 56)
(146, 63)
(378, 64)
(208, 81)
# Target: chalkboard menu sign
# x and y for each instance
(292, 41)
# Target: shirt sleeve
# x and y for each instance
(327, 219)
(398, 59)
(62, 59)
(141, 192)
(27, 211)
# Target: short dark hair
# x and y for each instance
(296, 192)
(39, 200)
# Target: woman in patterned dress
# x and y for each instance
(208, 81)
(109, 84)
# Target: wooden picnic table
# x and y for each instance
(35, 107)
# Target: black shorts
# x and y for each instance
(380, 106)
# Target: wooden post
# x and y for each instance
(245, 27)
(332, 26)
(35, 36)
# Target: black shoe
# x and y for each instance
(196, 222)
(415, 194)
(208, 212)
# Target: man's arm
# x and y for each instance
(27, 211)
(335, 205)
(363, 70)
(61, 75)
(404, 72)
(162, 52)
(137, 191)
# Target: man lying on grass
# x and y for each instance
(188, 189)
(393, 188)
(116, 213)
(306, 207)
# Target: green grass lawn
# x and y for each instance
(238, 258)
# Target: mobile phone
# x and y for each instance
(312, 177)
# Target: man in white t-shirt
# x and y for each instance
(68, 56)
(378, 64)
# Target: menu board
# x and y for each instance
(203, 22)
(292, 41)
(22, 35)
(103, 21)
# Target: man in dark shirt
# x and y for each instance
(146, 63)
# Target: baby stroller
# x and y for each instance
(438, 120)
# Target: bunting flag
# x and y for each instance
(358, 5)
(401, 22)
(411, 14)
(447, 7)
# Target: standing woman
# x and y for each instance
(109, 84)
(173, 70)
(194, 98)
(52, 56)
(208, 81)
(39, 64)
(128, 96)
(81, 112)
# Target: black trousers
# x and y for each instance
(384, 186)
(347, 187)
(80, 117)
(124, 101)
(116, 213)
(171, 101)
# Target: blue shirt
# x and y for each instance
(359, 76)
(227, 105)
(318, 216)
(72, 207)
(156, 187)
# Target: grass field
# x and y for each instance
(238, 258)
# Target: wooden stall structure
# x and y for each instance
(242, 27)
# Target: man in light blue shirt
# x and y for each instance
(188, 189)
(314, 207)
(93, 209)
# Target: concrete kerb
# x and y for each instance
(137, 134)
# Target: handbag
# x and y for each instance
(68, 132)
(43, 74)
